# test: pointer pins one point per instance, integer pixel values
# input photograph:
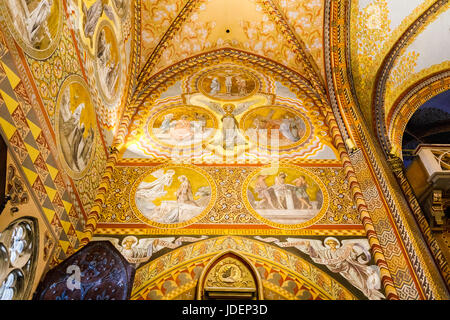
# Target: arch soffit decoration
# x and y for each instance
(157, 270)
(140, 81)
(405, 107)
(236, 255)
(380, 117)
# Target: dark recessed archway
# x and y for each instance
(430, 124)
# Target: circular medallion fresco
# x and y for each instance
(228, 84)
(35, 24)
(75, 126)
(181, 126)
(107, 62)
(275, 127)
(284, 196)
(173, 196)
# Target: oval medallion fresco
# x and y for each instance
(75, 126)
(275, 127)
(173, 196)
(180, 126)
(35, 24)
(228, 84)
(107, 62)
(285, 196)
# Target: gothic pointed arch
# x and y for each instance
(230, 275)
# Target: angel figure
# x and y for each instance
(92, 15)
(231, 135)
(37, 20)
(103, 49)
(350, 260)
(153, 190)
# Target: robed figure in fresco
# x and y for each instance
(75, 146)
(350, 260)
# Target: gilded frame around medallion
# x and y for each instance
(31, 51)
(74, 78)
(202, 214)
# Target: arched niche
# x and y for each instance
(227, 276)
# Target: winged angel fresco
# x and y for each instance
(231, 136)
(350, 258)
(138, 251)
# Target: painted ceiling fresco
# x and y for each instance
(181, 129)
(376, 28)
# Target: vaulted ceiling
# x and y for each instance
(392, 45)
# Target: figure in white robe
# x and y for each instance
(75, 147)
(165, 125)
(37, 20)
(285, 129)
(231, 135)
(215, 86)
(351, 260)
